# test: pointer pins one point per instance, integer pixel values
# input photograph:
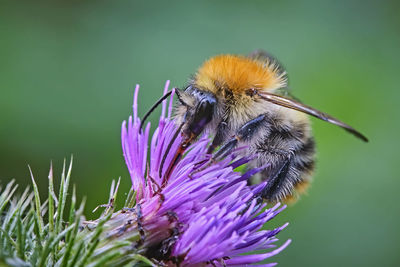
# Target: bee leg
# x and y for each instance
(275, 187)
(245, 133)
(219, 136)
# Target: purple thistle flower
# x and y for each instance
(210, 217)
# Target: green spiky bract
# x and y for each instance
(42, 232)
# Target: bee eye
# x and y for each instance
(251, 92)
(202, 115)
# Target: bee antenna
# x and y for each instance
(159, 101)
(169, 148)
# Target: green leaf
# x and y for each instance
(7, 194)
(20, 237)
(105, 259)
(63, 195)
(37, 201)
(27, 239)
(130, 201)
(51, 200)
(94, 241)
(77, 254)
(143, 259)
(12, 242)
(71, 239)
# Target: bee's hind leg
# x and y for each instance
(276, 187)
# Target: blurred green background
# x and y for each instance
(68, 69)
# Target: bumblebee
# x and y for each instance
(244, 100)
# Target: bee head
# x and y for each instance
(196, 111)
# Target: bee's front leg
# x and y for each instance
(219, 136)
(244, 133)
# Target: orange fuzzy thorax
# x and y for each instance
(238, 73)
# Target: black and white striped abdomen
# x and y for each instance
(287, 148)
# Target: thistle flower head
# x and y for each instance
(194, 218)
(198, 214)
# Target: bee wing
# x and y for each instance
(296, 105)
(264, 56)
(267, 59)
